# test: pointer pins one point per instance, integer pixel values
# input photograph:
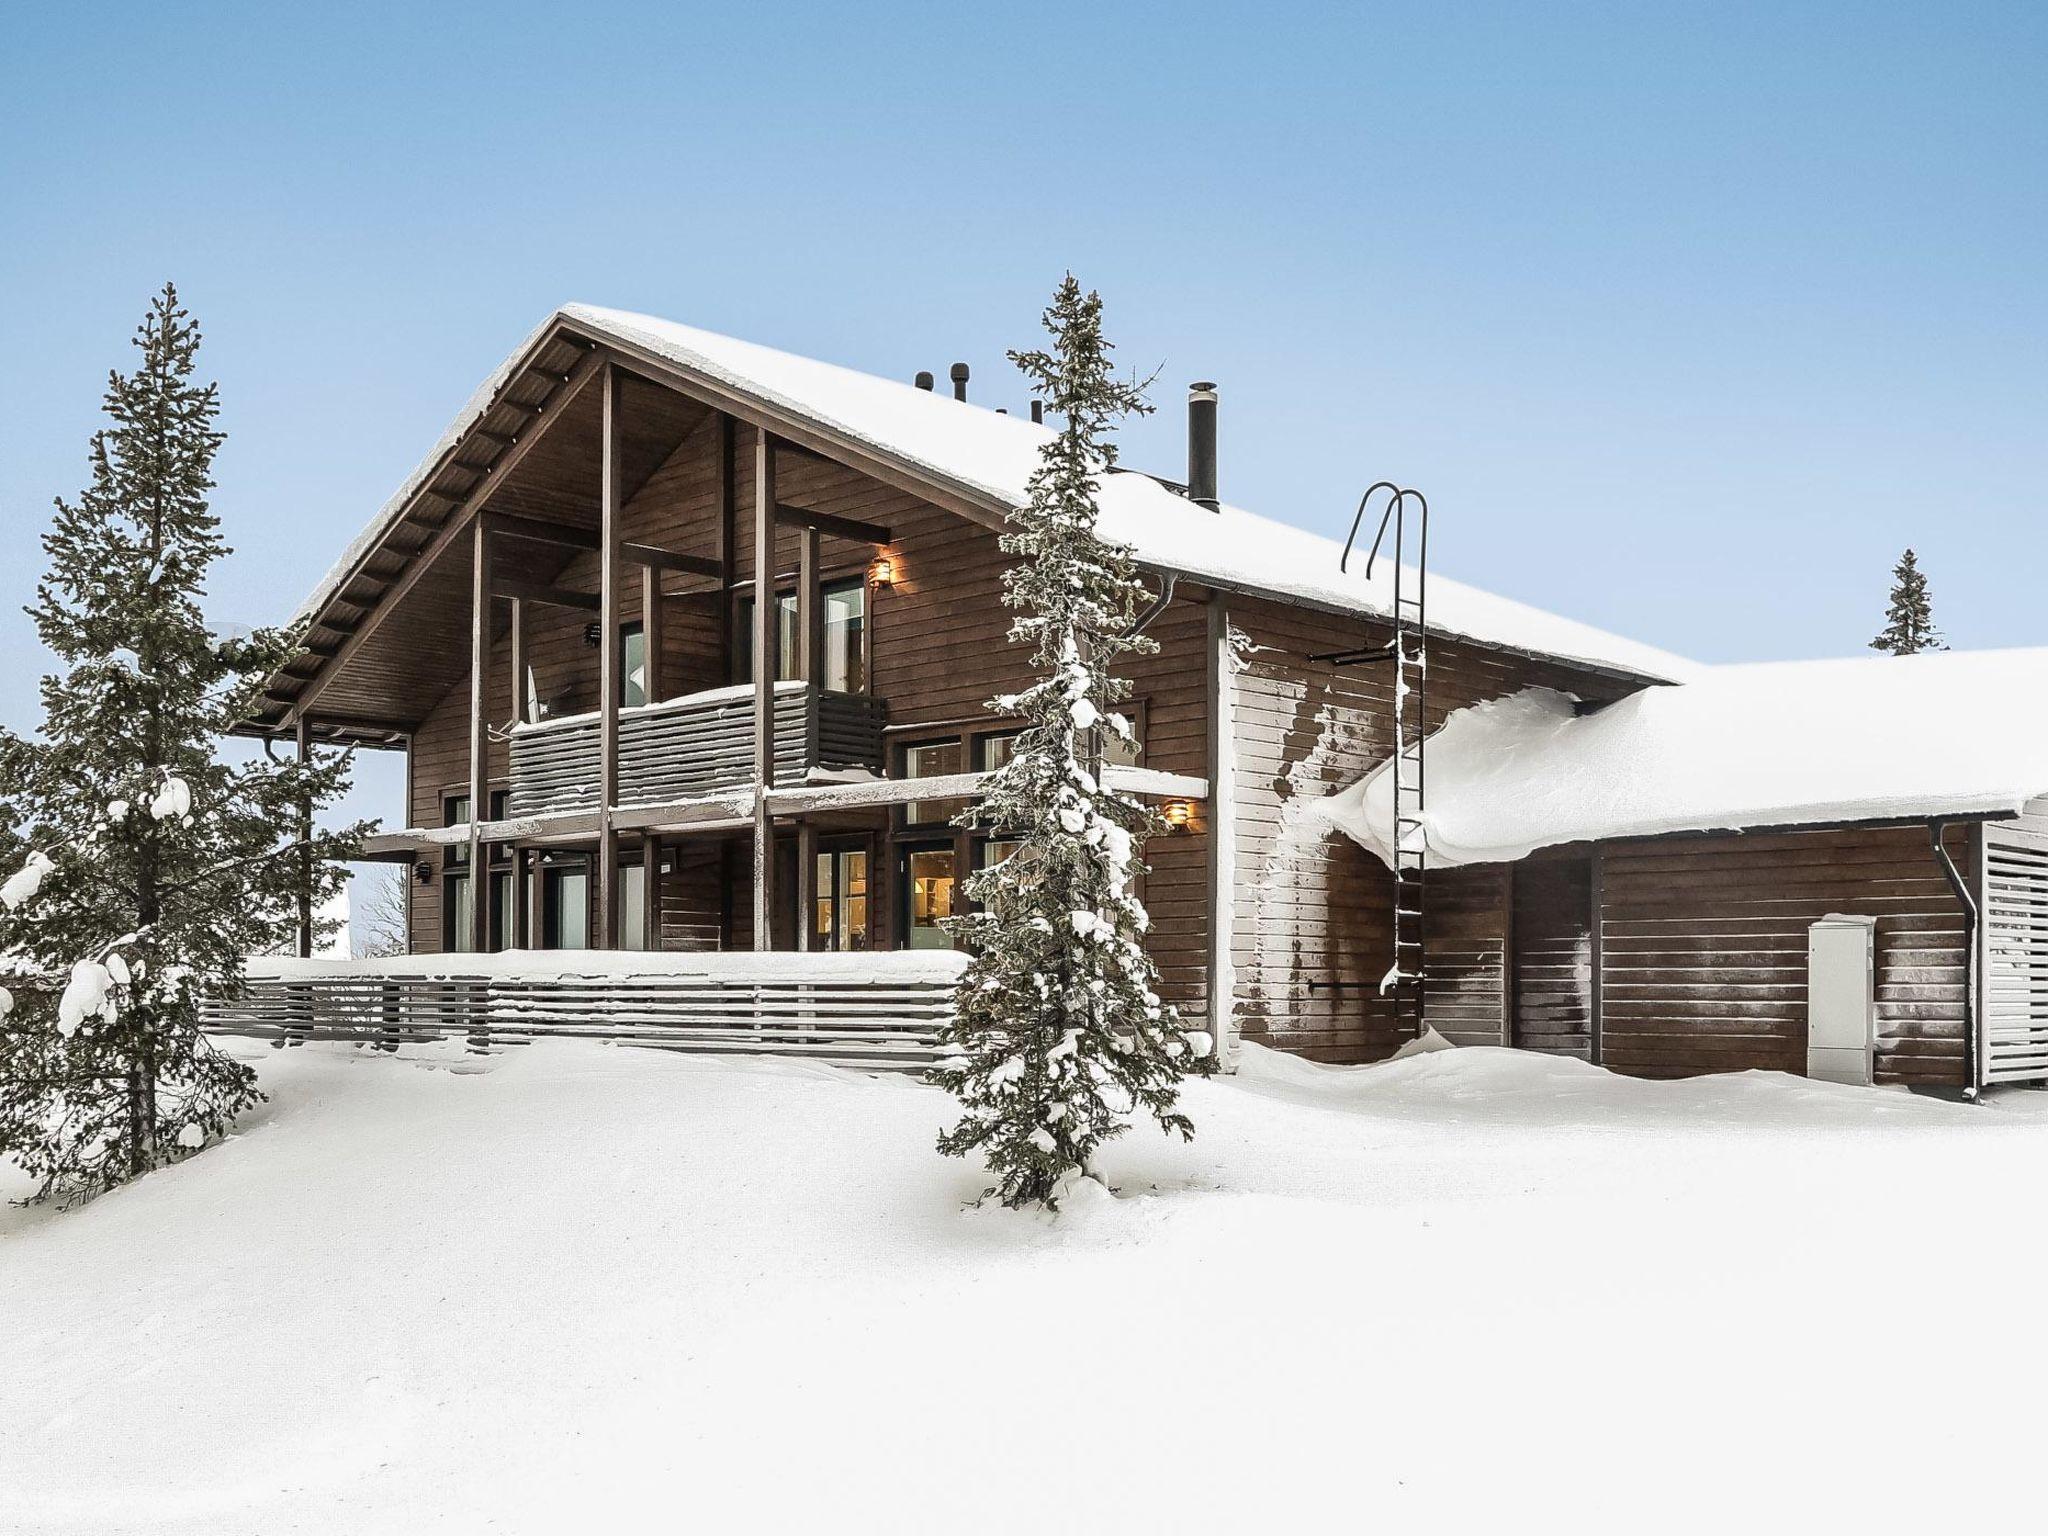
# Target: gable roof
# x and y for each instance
(978, 460)
(1775, 744)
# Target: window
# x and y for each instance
(844, 639)
(631, 897)
(840, 919)
(565, 907)
(458, 897)
(503, 899)
(929, 890)
(994, 751)
(633, 670)
(931, 760)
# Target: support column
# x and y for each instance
(650, 907)
(810, 618)
(650, 632)
(303, 740)
(728, 557)
(484, 550)
(522, 861)
(605, 878)
(806, 883)
(764, 687)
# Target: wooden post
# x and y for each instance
(302, 738)
(727, 497)
(650, 633)
(606, 875)
(650, 906)
(522, 865)
(810, 619)
(806, 883)
(484, 548)
(764, 687)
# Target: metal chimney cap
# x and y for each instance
(1203, 390)
(958, 373)
(924, 378)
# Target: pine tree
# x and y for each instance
(1059, 1031)
(154, 860)
(1909, 621)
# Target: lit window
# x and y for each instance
(929, 887)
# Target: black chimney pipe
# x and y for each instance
(959, 381)
(923, 379)
(1038, 413)
(1202, 444)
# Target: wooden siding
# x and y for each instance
(1552, 925)
(1311, 935)
(1703, 949)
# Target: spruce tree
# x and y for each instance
(154, 858)
(1909, 620)
(1059, 1030)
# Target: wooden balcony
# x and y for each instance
(696, 745)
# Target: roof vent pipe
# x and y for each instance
(923, 379)
(1038, 413)
(1202, 444)
(959, 381)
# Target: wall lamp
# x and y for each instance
(1179, 814)
(882, 573)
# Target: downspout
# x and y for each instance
(1972, 1044)
(1155, 608)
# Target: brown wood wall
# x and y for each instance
(937, 648)
(1315, 909)
(1703, 947)
(1552, 971)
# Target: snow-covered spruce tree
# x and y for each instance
(1059, 1032)
(1909, 620)
(150, 861)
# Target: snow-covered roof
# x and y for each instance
(990, 455)
(1775, 744)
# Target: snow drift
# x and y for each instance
(1773, 744)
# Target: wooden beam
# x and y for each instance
(651, 636)
(302, 738)
(511, 525)
(672, 560)
(611, 503)
(806, 882)
(810, 636)
(650, 906)
(839, 527)
(764, 687)
(451, 531)
(483, 548)
(728, 557)
(541, 592)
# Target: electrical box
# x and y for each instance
(1841, 999)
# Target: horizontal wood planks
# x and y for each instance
(1553, 956)
(1703, 947)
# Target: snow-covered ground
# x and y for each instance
(577, 1288)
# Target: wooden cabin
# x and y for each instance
(688, 644)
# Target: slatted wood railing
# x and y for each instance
(871, 1010)
(692, 746)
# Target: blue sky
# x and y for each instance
(1688, 319)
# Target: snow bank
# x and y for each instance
(984, 451)
(1767, 745)
(571, 1289)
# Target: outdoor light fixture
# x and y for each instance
(882, 574)
(1178, 814)
(423, 872)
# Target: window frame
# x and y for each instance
(741, 618)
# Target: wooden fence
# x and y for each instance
(868, 1010)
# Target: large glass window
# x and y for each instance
(503, 899)
(458, 895)
(844, 637)
(840, 918)
(929, 891)
(633, 671)
(632, 900)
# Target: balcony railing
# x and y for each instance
(696, 745)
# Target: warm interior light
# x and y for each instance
(883, 572)
(1178, 813)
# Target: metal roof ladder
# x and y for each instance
(1406, 979)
